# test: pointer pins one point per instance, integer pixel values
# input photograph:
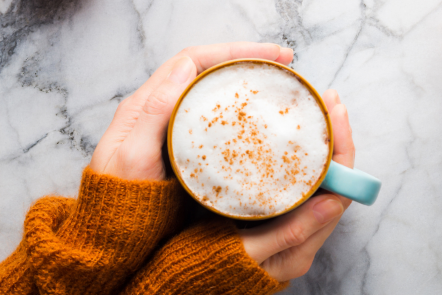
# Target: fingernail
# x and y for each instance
(346, 114)
(327, 210)
(336, 97)
(181, 70)
(287, 50)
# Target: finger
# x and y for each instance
(291, 229)
(315, 241)
(207, 56)
(331, 99)
(204, 57)
(285, 56)
(148, 134)
(344, 149)
(152, 123)
(288, 264)
(296, 261)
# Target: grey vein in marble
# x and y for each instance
(65, 66)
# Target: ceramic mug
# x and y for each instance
(350, 183)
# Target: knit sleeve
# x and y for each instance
(108, 232)
(16, 272)
(208, 258)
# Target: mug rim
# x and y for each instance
(306, 84)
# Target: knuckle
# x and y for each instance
(156, 103)
(121, 106)
(188, 50)
(293, 236)
(296, 234)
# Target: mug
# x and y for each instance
(350, 183)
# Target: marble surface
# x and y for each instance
(65, 65)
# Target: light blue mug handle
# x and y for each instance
(351, 183)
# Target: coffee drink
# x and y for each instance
(249, 139)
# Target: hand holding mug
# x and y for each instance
(131, 149)
(286, 246)
(131, 146)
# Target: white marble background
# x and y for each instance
(65, 65)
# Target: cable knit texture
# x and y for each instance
(106, 242)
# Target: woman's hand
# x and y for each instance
(286, 247)
(131, 149)
(131, 146)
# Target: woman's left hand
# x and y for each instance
(131, 146)
(286, 247)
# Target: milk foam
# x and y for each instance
(249, 139)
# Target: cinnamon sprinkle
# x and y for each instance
(254, 155)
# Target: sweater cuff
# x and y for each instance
(208, 258)
(111, 211)
(105, 235)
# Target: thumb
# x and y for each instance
(152, 122)
(292, 229)
(141, 149)
(149, 132)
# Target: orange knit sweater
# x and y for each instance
(116, 238)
